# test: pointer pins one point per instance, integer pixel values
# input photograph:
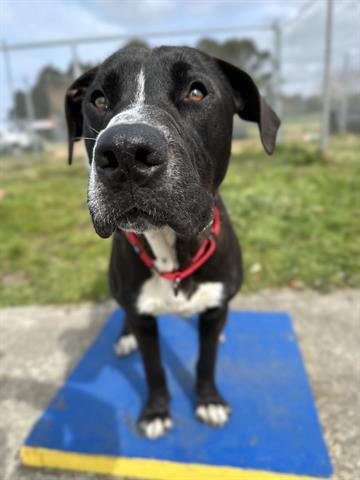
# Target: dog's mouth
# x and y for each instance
(187, 213)
(138, 220)
(134, 220)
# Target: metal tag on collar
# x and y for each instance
(176, 285)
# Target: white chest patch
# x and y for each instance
(157, 295)
(162, 243)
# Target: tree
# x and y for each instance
(19, 109)
(137, 42)
(244, 54)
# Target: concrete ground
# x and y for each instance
(40, 345)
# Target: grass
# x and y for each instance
(296, 216)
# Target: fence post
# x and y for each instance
(344, 97)
(324, 145)
(75, 59)
(9, 76)
(277, 73)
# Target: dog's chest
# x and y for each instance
(157, 295)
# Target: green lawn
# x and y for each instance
(297, 218)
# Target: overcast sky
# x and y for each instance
(303, 24)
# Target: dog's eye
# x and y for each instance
(197, 92)
(99, 100)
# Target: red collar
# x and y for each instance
(205, 250)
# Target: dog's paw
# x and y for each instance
(222, 337)
(155, 418)
(211, 407)
(156, 427)
(125, 345)
(214, 414)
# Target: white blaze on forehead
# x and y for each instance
(135, 111)
(140, 93)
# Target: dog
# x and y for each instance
(157, 125)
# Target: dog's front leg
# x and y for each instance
(126, 341)
(211, 407)
(155, 418)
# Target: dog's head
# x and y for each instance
(157, 126)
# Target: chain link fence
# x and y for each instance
(289, 77)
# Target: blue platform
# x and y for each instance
(273, 433)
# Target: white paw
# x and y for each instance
(222, 337)
(125, 345)
(215, 415)
(156, 428)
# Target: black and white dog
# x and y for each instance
(157, 125)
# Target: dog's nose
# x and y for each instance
(130, 149)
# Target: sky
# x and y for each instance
(302, 22)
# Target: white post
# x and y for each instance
(327, 80)
(9, 76)
(30, 113)
(277, 73)
(344, 97)
(75, 60)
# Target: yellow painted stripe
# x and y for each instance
(143, 468)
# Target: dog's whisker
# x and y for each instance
(84, 138)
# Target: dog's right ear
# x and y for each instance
(73, 108)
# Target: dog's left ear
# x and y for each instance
(73, 108)
(250, 105)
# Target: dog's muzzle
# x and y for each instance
(135, 152)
